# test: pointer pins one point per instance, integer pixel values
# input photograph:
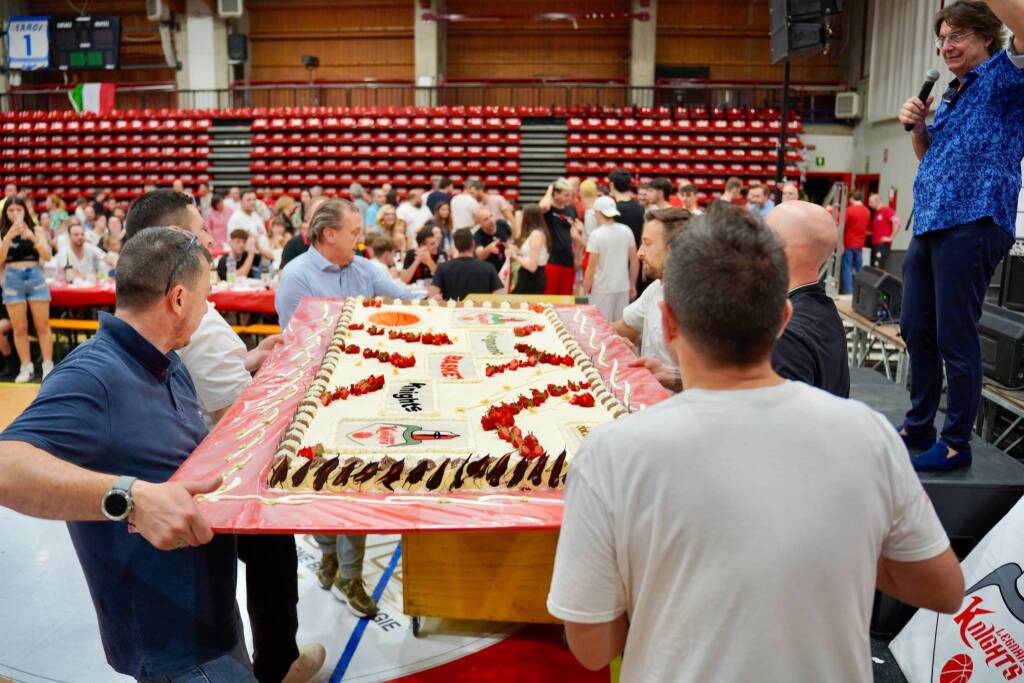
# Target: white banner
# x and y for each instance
(28, 43)
(984, 641)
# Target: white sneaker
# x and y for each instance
(47, 368)
(310, 661)
(26, 373)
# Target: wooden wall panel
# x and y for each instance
(136, 48)
(732, 38)
(595, 48)
(354, 40)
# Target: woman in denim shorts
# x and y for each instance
(24, 247)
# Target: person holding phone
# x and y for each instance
(24, 247)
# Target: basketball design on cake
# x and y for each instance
(422, 397)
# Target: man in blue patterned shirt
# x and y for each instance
(965, 197)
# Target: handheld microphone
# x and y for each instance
(926, 90)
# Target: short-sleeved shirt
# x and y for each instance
(611, 243)
(560, 226)
(215, 358)
(812, 348)
(644, 316)
(436, 199)
(118, 405)
(222, 265)
(972, 167)
(502, 233)
(464, 208)
(250, 222)
(311, 274)
(465, 275)
(422, 270)
(740, 554)
(882, 225)
(90, 265)
(631, 214)
(855, 232)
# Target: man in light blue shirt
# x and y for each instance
(758, 202)
(331, 268)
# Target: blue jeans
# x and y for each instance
(25, 284)
(853, 261)
(231, 667)
(945, 276)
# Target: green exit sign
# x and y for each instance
(819, 161)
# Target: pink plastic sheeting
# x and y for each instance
(242, 444)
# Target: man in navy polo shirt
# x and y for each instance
(965, 199)
(123, 405)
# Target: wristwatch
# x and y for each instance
(117, 503)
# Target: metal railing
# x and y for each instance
(812, 102)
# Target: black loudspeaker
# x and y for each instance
(1011, 290)
(238, 47)
(1002, 345)
(877, 295)
(799, 26)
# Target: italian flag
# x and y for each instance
(94, 97)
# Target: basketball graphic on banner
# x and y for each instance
(957, 670)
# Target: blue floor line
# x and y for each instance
(357, 632)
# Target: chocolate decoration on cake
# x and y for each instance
(300, 474)
(519, 472)
(342, 479)
(478, 468)
(323, 472)
(417, 473)
(457, 481)
(393, 475)
(499, 468)
(280, 471)
(438, 476)
(366, 474)
(537, 475)
(556, 471)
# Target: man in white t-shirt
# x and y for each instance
(248, 218)
(81, 260)
(612, 267)
(414, 213)
(466, 204)
(641, 320)
(737, 531)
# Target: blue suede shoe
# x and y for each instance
(935, 459)
(915, 442)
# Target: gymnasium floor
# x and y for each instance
(48, 631)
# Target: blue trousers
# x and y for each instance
(853, 261)
(945, 276)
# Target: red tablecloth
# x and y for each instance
(242, 444)
(257, 301)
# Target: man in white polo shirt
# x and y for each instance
(737, 531)
(641, 320)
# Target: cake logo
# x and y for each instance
(490, 319)
(492, 343)
(409, 397)
(388, 435)
(452, 367)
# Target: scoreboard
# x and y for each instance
(84, 42)
(63, 42)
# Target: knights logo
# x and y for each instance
(489, 319)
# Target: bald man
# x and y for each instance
(790, 192)
(812, 348)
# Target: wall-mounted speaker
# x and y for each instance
(800, 27)
(238, 47)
